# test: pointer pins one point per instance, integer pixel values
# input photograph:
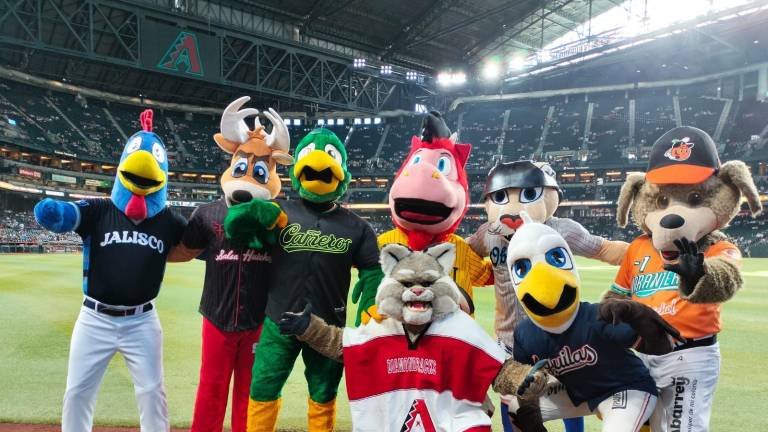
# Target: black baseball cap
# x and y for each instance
(520, 174)
(683, 155)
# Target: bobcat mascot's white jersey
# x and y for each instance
(436, 383)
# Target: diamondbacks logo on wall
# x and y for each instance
(680, 150)
(183, 55)
(418, 418)
(293, 239)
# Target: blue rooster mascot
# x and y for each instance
(126, 239)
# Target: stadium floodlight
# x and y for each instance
(321, 122)
(386, 69)
(411, 76)
(297, 122)
(448, 79)
(491, 70)
(358, 121)
(330, 122)
(287, 122)
(11, 122)
(377, 120)
(358, 63)
(340, 122)
(367, 120)
(420, 108)
(517, 63)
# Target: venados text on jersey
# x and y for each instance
(294, 240)
(133, 237)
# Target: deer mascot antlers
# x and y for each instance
(252, 172)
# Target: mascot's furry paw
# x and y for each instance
(514, 378)
(720, 282)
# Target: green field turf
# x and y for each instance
(40, 298)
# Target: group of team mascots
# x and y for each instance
(278, 273)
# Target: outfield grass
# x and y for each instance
(40, 299)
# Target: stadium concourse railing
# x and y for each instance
(6, 248)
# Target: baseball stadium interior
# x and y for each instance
(591, 106)
(586, 85)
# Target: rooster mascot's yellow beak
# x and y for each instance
(544, 276)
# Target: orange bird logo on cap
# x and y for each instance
(680, 150)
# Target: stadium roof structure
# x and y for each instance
(430, 34)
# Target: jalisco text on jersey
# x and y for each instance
(294, 240)
(133, 237)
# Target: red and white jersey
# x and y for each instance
(434, 384)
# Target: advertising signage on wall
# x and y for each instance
(26, 172)
(179, 51)
(63, 179)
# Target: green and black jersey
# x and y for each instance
(313, 258)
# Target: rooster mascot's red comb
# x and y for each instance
(430, 193)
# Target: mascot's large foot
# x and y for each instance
(262, 416)
(321, 417)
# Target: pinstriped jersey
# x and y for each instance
(469, 269)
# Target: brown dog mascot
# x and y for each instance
(683, 266)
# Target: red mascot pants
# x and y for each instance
(224, 353)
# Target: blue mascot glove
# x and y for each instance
(295, 324)
(57, 216)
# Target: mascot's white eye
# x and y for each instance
(261, 172)
(528, 195)
(133, 145)
(416, 159)
(499, 197)
(559, 257)
(333, 152)
(444, 165)
(520, 268)
(240, 167)
(158, 152)
(306, 150)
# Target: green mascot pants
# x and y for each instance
(275, 356)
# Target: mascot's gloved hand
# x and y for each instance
(254, 223)
(56, 216)
(295, 324)
(690, 265)
(364, 292)
(654, 332)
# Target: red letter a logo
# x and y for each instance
(183, 55)
(418, 419)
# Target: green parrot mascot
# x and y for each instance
(314, 243)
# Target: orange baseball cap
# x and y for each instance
(683, 155)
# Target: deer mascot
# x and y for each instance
(234, 298)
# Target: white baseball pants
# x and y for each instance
(95, 340)
(625, 411)
(686, 380)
